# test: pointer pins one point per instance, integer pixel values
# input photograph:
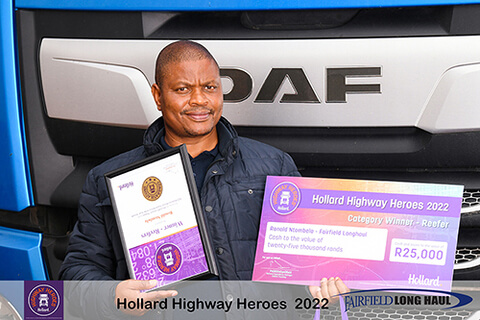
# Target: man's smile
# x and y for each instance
(200, 115)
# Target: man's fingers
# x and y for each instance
(132, 289)
(329, 289)
(160, 294)
(321, 291)
(315, 291)
(150, 284)
(324, 288)
(332, 287)
(141, 284)
(341, 286)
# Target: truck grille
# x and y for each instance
(466, 255)
(390, 313)
(471, 198)
(466, 258)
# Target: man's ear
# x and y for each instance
(156, 93)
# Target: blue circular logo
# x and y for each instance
(285, 198)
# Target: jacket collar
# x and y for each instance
(227, 137)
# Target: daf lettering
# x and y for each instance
(303, 90)
(336, 85)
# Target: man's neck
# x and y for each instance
(195, 145)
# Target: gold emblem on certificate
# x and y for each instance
(152, 188)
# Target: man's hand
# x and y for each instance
(130, 289)
(329, 288)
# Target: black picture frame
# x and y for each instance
(187, 174)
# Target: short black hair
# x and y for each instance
(183, 50)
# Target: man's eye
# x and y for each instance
(211, 87)
(182, 89)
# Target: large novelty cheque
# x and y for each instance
(372, 234)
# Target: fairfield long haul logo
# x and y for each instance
(405, 297)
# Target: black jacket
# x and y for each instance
(231, 198)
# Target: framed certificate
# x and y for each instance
(159, 217)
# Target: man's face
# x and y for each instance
(190, 98)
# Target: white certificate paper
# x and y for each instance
(155, 205)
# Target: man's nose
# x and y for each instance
(198, 98)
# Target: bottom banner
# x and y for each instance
(233, 300)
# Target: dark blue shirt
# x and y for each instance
(199, 164)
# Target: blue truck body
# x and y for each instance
(23, 247)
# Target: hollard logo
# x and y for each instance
(337, 86)
(125, 185)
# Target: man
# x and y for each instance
(230, 173)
